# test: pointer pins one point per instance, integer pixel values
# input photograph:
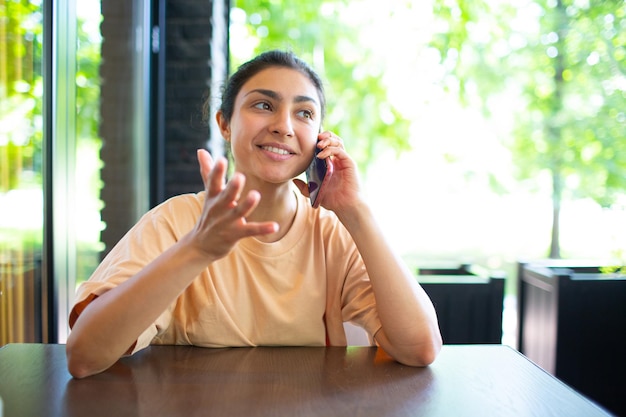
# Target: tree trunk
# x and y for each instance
(555, 244)
(555, 128)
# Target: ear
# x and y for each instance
(223, 124)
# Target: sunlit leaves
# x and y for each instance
(21, 93)
(568, 59)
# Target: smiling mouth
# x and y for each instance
(275, 150)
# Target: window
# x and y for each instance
(55, 152)
(21, 168)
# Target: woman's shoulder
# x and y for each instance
(185, 200)
(178, 213)
(180, 204)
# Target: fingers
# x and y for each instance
(245, 206)
(242, 209)
(223, 221)
(266, 228)
(214, 175)
(330, 143)
(328, 138)
(206, 164)
(212, 172)
(233, 190)
(233, 207)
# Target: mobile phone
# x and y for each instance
(317, 175)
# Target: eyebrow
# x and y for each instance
(274, 95)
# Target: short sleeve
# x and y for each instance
(154, 233)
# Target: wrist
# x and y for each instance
(193, 253)
(355, 216)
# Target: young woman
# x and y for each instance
(249, 262)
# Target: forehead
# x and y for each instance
(287, 82)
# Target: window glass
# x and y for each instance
(55, 211)
(100, 176)
(88, 180)
(21, 190)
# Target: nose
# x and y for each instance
(282, 124)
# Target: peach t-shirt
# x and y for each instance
(294, 292)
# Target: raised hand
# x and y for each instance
(223, 219)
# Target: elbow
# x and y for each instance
(435, 347)
(78, 371)
(424, 352)
(77, 368)
(419, 356)
(79, 365)
(82, 369)
(419, 353)
(426, 355)
(429, 351)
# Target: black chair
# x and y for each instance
(469, 303)
(572, 323)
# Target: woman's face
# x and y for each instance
(274, 127)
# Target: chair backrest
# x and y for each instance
(469, 304)
(572, 323)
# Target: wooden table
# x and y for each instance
(465, 380)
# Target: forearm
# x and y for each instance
(112, 322)
(410, 331)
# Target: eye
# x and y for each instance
(307, 114)
(262, 105)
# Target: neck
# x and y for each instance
(278, 204)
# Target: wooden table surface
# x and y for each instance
(465, 380)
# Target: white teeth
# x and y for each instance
(276, 150)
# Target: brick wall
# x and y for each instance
(188, 77)
(189, 25)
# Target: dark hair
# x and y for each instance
(274, 58)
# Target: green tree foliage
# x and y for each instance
(565, 63)
(88, 82)
(358, 109)
(20, 93)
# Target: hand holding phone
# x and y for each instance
(318, 174)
